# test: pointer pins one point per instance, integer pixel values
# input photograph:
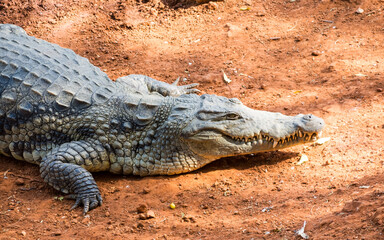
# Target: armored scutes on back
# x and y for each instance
(61, 112)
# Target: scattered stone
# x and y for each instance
(153, 12)
(110, 227)
(19, 182)
(189, 218)
(351, 206)
(142, 208)
(52, 21)
(86, 220)
(146, 190)
(359, 11)
(142, 216)
(213, 6)
(298, 38)
(24, 233)
(140, 225)
(316, 53)
(379, 90)
(232, 29)
(330, 68)
(150, 214)
(326, 163)
(260, 10)
(275, 38)
(107, 214)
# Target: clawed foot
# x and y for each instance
(88, 200)
(184, 89)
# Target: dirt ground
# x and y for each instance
(292, 56)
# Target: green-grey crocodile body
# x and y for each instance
(59, 111)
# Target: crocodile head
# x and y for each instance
(222, 127)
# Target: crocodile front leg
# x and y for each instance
(66, 169)
(146, 84)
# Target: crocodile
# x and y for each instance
(59, 111)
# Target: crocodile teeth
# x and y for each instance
(274, 143)
(314, 136)
(300, 133)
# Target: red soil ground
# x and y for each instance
(290, 56)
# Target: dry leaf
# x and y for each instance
(321, 141)
(245, 8)
(225, 78)
(302, 160)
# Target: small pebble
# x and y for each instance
(140, 225)
(146, 190)
(142, 208)
(298, 38)
(189, 218)
(86, 220)
(20, 182)
(212, 6)
(379, 90)
(359, 11)
(316, 53)
(150, 214)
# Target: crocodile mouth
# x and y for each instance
(295, 138)
(261, 139)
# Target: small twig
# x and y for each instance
(19, 176)
(28, 189)
(5, 174)
(292, 27)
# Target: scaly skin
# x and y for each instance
(59, 111)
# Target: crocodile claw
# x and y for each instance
(88, 200)
(187, 89)
(184, 89)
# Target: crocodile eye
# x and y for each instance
(232, 116)
(308, 117)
